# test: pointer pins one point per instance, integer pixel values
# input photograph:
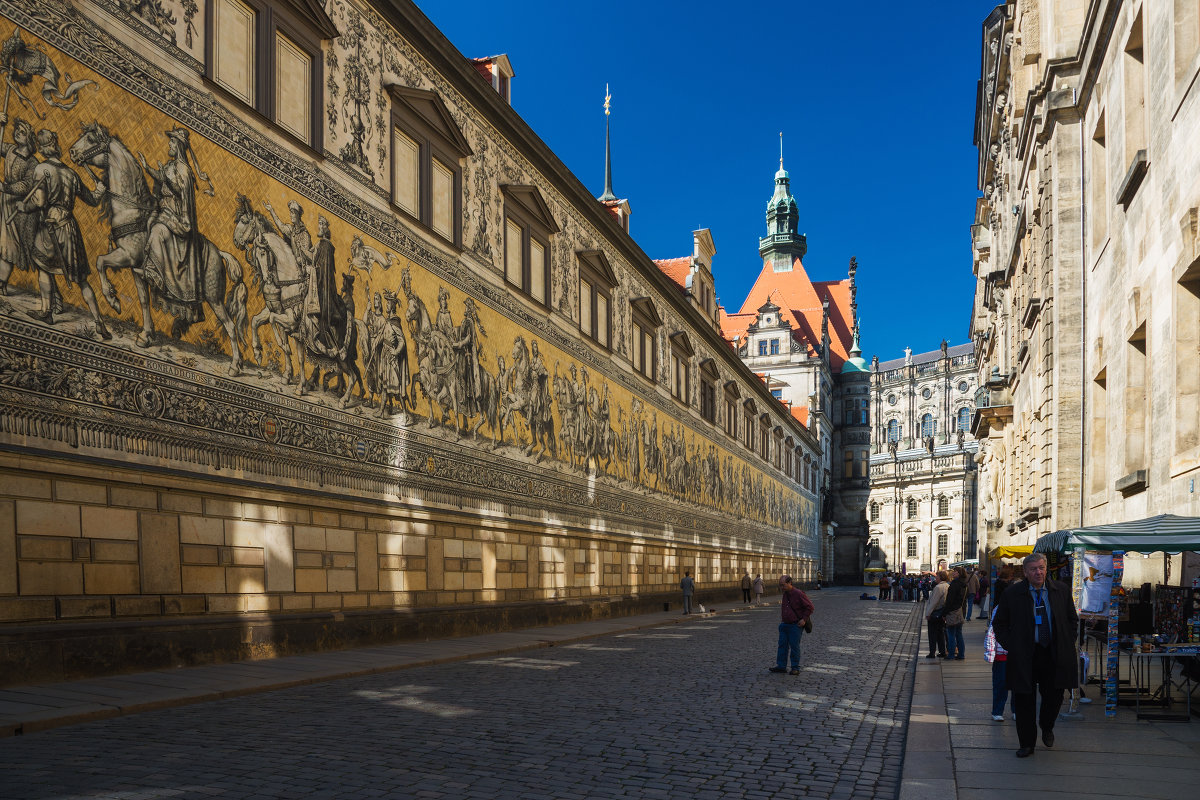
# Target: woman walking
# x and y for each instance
(956, 605)
(934, 609)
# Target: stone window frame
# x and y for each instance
(789, 458)
(910, 508)
(708, 390)
(597, 272)
(943, 506)
(874, 512)
(525, 208)
(894, 430)
(963, 417)
(423, 117)
(911, 546)
(732, 395)
(749, 413)
(680, 378)
(645, 316)
(306, 26)
(928, 426)
(764, 437)
(943, 543)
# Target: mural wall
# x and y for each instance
(185, 293)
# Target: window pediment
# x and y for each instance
(531, 202)
(427, 107)
(732, 389)
(313, 15)
(644, 307)
(680, 340)
(708, 367)
(597, 264)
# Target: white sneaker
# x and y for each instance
(998, 717)
(1085, 699)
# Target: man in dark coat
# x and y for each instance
(1037, 624)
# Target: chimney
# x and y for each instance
(498, 72)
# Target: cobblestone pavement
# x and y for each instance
(683, 711)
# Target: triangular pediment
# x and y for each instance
(430, 109)
(709, 367)
(311, 12)
(680, 339)
(645, 307)
(598, 263)
(530, 199)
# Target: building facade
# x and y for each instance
(922, 508)
(335, 349)
(801, 337)
(1086, 258)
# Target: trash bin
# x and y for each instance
(666, 606)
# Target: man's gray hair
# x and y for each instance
(1033, 557)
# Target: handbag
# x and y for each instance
(937, 614)
(808, 625)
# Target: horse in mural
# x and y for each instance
(285, 286)
(435, 364)
(526, 394)
(128, 207)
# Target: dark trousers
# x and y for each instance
(1024, 705)
(937, 638)
(746, 595)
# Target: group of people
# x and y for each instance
(950, 603)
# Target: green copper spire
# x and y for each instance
(783, 243)
(608, 195)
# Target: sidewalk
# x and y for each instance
(26, 709)
(954, 749)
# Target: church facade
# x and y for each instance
(334, 349)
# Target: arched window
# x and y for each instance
(874, 512)
(912, 508)
(943, 544)
(943, 506)
(928, 426)
(964, 419)
(893, 430)
(912, 547)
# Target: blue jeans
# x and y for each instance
(970, 602)
(954, 641)
(789, 641)
(999, 688)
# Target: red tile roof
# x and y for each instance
(801, 414)
(677, 269)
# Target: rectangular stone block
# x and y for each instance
(198, 554)
(264, 511)
(224, 604)
(109, 523)
(339, 540)
(310, 580)
(259, 602)
(185, 503)
(203, 580)
(343, 561)
(50, 577)
(201, 530)
(137, 606)
(472, 549)
(393, 581)
(355, 521)
(80, 607)
(17, 485)
(452, 548)
(183, 604)
(296, 602)
(245, 580)
(293, 514)
(325, 518)
(453, 581)
(221, 507)
(8, 547)
(73, 492)
(341, 580)
(133, 496)
(473, 580)
(38, 518)
(310, 560)
(367, 561)
(45, 548)
(125, 552)
(247, 556)
(356, 600)
(25, 609)
(308, 537)
(327, 602)
(110, 578)
(160, 554)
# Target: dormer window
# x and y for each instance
(498, 71)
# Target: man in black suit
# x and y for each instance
(1037, 624)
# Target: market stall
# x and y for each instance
(1160, 624)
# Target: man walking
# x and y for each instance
(689, 588)
(1036, 623)
(746, 584)
(797, 608)
(972, 592)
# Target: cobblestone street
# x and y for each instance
(684, 710)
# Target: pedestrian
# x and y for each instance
(689, 588)
(981, 598)
(1003, 581)
(796, 609)
(935, 609)
(956, 604)
(1036, 623)
(758, 588)
(746, 584)
(994, 653)
(972, 591)
(884, 587)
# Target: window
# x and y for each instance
(860, 468)
(874, 512)
(962, 386)
(268, 56)
(943, 544)
(708, 390)
(788, 465)
(732, 395)
(762, 347)
(596, 282)
(943, 506)
(1098, 191)
(774, 347)
(928, 426)
(1136, 407)
(964, 419)
(912, 508)
(748, 426)
(856, 412)
(893, 430)
(777, 448)
(926, 393)
(1187, 366)
(681, 367)
(848, 470)
(1097, 449)
(642, 353)
(911, 552)
(427, 151)
(528, 225)
(1134, 68)
(764, 438)
(777, 394)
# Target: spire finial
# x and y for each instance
(608, 195)
(781, 149)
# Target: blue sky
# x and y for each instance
(876, 103)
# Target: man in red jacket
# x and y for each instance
(797, 608)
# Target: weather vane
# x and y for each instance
(608, 100)
(781, 149)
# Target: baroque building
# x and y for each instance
(921, 512)
(802, 338)
(336, 350)
(1086, 256)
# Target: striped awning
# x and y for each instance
(1165, 533)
